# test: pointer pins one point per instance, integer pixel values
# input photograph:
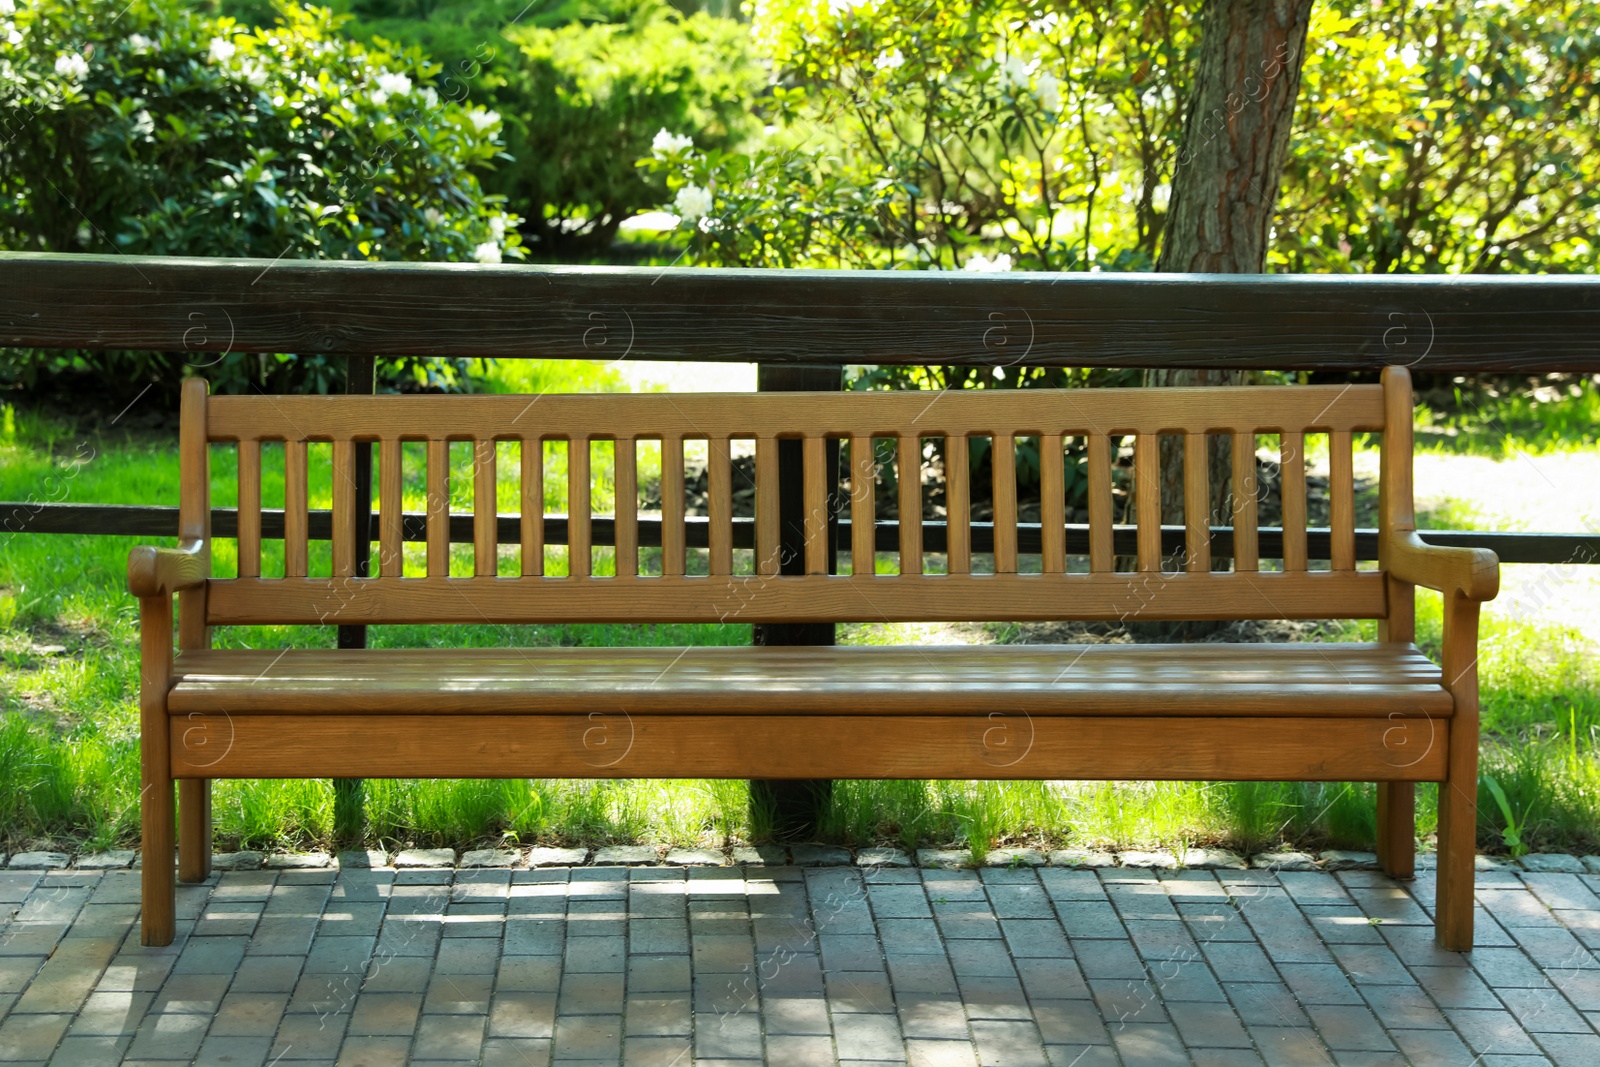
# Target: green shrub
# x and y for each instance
(155, 130)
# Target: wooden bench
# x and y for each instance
(1378, 712)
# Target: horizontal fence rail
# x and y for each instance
(203, 307)
(160, 521)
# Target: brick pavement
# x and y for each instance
(662, 966)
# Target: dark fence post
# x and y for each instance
(796, 803)
(349, 807)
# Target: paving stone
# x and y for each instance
(1212, 859)
(1148, 860)
(480, 858)
(297, 861)
(362, 859)
(882, 857)
(1283, 861)
(557, 857)
(237, 861)
(695, 857)
(811, 855)
(1552, 863)
(38, 861)
(115, 860)
(761, 856)
(1334, 859)
(944, 859)
(626, 855)
(1081, 857)
(1480, 862)
(1014, 857)
(426, 857)
(1149, 1044)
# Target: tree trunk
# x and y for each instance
(1225, 181)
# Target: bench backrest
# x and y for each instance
(1099, 417)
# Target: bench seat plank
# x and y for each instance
(1286, 680)
(770, 744)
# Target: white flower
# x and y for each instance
(1013, 73)
(497, 226)
(140, 43)
(221, 50)
(143, 124)
(981, 264)
(1049, 92)
(12, 38)
(890, 60)
(670, 144)
(72, 66)
(488, 252)
(430, 98)
(8, 7)
(394, 84)
(254, 74)
(692, 203)
(433, 216)
(482, 120)
(379, 97)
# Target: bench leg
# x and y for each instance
(1397, 828)
(1458, 832)
(1458, 793)
(194, 829)
(158, 907)
(158, 902)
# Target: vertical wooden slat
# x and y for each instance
(1342, 500)
(814, 463)
(1004, 459)
(626, 522)
(295, 532)
(485, 510)
(344, 508)
(958, 503)
(908, 468)
(1246, 488)
(1053, 506)
(532, 506)
(580, 556)
(863, 507)
(194, 513)
(1396, 513)
(1147, 509)
(1100, 559)
(1292, 484)
(250, 509)
(391, 510)
(672, 541)
(769, 548)
(438, 508)
(719, 504)
(1197, 503)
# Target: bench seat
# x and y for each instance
(1377, 680)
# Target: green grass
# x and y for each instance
(1553, 418)
(69, 746)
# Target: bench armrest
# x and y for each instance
(1474, 573)
(164, 571)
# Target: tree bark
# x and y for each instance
(1226, 178)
